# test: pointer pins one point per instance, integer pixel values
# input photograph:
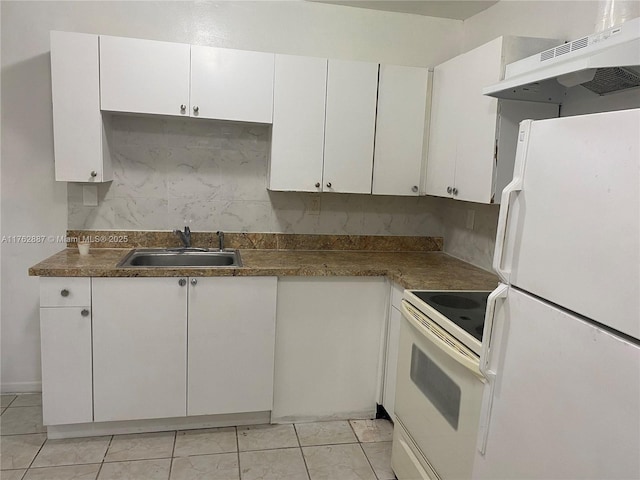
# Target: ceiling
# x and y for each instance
(456, 9)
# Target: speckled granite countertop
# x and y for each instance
(416, 270)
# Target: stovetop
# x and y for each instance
(465, 309)
(460, 312)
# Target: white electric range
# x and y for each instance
(439, 384)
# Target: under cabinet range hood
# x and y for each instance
(604, 62)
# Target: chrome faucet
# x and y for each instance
(185, 236)
(220, 234)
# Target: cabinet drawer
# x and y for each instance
(65, 291)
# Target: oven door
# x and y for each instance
(438, 395)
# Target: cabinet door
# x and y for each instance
(391, 354)
(65, 336)
(349, 127)
(231, 84)
(139, 348)
(327, 347)
(447, 112)
(231, 344)
(80, 152)
(400, 130)
(297, 139)
(144, 76)
(476, 124)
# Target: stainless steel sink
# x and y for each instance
(181, 257)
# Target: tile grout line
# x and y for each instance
(304, 459)
(104, 457)
(173, 452)
(363, 452)
(238, 453)
(36, 455)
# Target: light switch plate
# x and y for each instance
(90, 195)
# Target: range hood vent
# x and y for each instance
(604, 63)
(615, 79)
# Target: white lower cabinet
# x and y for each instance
(124, 349)
(139, 348)
(391, 351)
(146, 365)
(327, 347)
(232, 323)
(65, 335)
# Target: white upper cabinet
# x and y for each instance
(400, 130)
(231, 84)
(80, 144)
(297, 138)
(144, 76)
(349, 126)
(338, 125)
(472, 137)
(323, 125)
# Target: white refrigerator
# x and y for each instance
(561, 348)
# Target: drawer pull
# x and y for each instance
(84, 312)
(64, 292)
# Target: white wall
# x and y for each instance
(564, 20)
(32, 203)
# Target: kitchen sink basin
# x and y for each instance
(183, 257)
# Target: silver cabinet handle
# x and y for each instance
(414, 188)
(84, 312)
(455, 191)
(182, 282)
(317, 184)
(449, 189)
(328, 184)
(64, 292)
(194, 281)
(196, 109)
(183, 107)
(94, 174)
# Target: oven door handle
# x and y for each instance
(466, 360)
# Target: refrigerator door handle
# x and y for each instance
(485, 357)
(499, 293)
(485, 412)
(505, 200)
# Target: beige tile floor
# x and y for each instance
(335, 450)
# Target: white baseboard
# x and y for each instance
(20, 387)
(303, 418)
(157, 425)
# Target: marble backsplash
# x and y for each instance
(211, 175)
(474, 245)
(256, 241)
